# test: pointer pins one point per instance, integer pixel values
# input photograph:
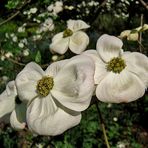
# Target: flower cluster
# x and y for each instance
(50, 102)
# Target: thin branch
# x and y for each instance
(15, 14)
(140, 34)
(103, 126)
(14, 61)
(10, 18)
(144, 4)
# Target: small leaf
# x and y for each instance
(38, 57)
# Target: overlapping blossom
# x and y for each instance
(72, 38)
(12, 108)
(57, 96)
(119, 76)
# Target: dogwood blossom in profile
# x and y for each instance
(56, 96)
(120, 76)
(12, 108)
(72, 38)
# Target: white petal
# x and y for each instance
(45, 118)
(100, 66)
(117, 88)
(7, 99)
(137, 63)
(26, 81)
(18, 117)
(59, 44)
(74, 84)
(78, 42)
(76, 25)
(109, 47)
(55, 67)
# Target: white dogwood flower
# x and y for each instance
(11, 106)
(72, 38)
(57, 95)
(120, 76)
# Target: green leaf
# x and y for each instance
(38, 57)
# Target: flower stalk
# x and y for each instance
(102, 126)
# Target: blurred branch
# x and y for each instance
(14, 61)
(140, 34)
(144, 4)
(15, 14)
(103, 126)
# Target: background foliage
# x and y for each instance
(22, 41)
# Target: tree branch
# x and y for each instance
(144, 4)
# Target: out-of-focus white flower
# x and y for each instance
(55, 8)
(21, 45)
(33, 10)
(2, 58)
(6, 35)
(14, 39)
(37, 37)
(109, 105)
(72, 38)
(145, 27)
(12, 34)
(26, 52)
(115, 119)
(56, 96)
(9, 104)
(121, 144)
(69, 7)
(21, 29)
(129, 35)
(58, 7)
(120, 76)
(47, 25)
(5, 79)
(54, 58)
(24, 41)
(8, 54)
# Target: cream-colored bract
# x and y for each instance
(71, 93)
(77, 41)
(125, 86)
(8, 107)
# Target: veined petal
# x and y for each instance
(78, 42)
(61, 46)
(137, 63)
(26, 81)
(76, 25)
(74, 84)
(109, 47)
(45, 118)
(100, 66)
(18, 117)
(7, 99)
(57, 37)
(117, 88)
(55, 67)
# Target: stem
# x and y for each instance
(103, 126)
(140, 34)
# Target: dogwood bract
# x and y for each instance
(57, 95)
(12, 107)
(120, 76)
(72, 38)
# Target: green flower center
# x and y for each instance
(45, 85)
(67, 32)
(116, 65)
